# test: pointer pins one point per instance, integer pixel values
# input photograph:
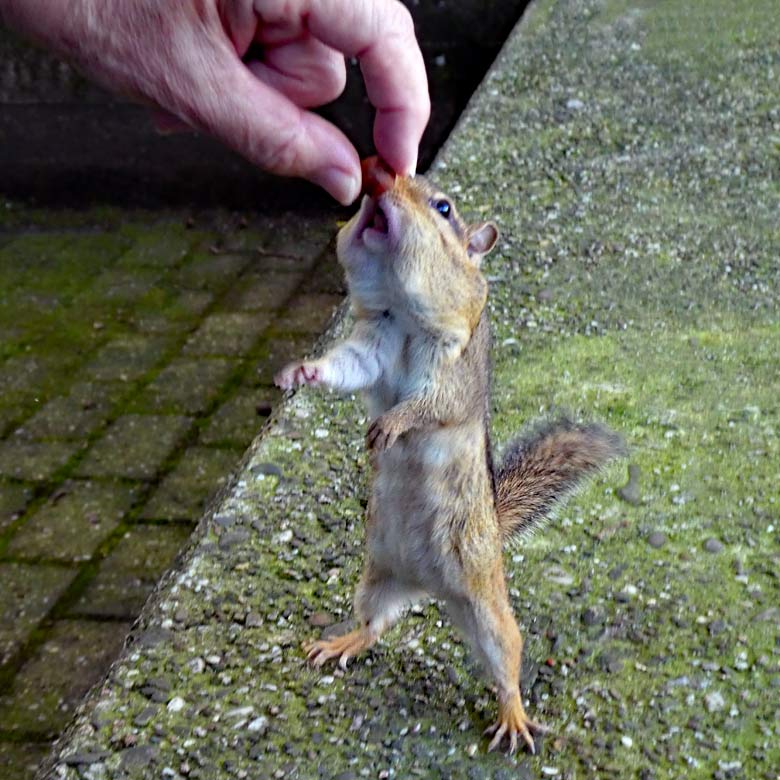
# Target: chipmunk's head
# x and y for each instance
(408, 250)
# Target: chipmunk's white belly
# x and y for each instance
(421, 491)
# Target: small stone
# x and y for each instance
(240, 712)
(592, 617)
(626, 741)
(713, 546)
(545, 295)
(259, 725)
(611, 662)
(232, 538)
(176, 704)
(138, 757)
(266, 469)
(320, 619)
(471, 750)
(145, 716)
(716, 627)
(714, 701)
(575, 104)
(253, 620)
(657, 539)
(85, 757)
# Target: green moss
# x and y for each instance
(708, 35)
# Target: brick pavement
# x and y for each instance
(136, 359)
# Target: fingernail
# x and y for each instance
(343, 186)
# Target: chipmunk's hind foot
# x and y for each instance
(341, 647)
(513, 723)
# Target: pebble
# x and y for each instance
(713, 545)
(253, 620)
(657, 539)
(592, 617)
(145, 716)
(258, 725)
(176, 704)
(714, 701)
(86, 757)
(320, 619)
(266, 469)
(138, 757)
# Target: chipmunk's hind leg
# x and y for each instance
(379, 602)
(491, 628)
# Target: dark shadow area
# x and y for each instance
(63, 142)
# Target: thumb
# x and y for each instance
(272, 132)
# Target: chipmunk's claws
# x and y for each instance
(513, 722)
(342, 647)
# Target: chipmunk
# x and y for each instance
(439, 513)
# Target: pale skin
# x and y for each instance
(184, 59)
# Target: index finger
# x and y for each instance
(380, 33)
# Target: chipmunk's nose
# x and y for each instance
(378, 177)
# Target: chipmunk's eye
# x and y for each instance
(443, 207)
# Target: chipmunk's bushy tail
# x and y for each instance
(543, 468)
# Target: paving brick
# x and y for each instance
(23, 373)
(26, 594)
(184, 493)
(135, 446)
(193, 302)
(75, 656)
(309, 313)
(66, 417)
(210, 272)
(122, 286)
(264, 292)
(128, 575)
(240, 419)
(20, 760)
(299, 236)
(127, 358)
(157, 246)
(227, 334)
(13, 500)
(72, 524)
(185, 386)
(34, 461)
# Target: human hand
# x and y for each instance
(184, 58)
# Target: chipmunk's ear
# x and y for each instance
(482, 238)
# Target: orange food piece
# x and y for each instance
(378, 177)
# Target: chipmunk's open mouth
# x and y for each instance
(380, 220)
(374, 223)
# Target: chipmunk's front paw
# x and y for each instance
(384, 432)
(299, 374)
(513, 723)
